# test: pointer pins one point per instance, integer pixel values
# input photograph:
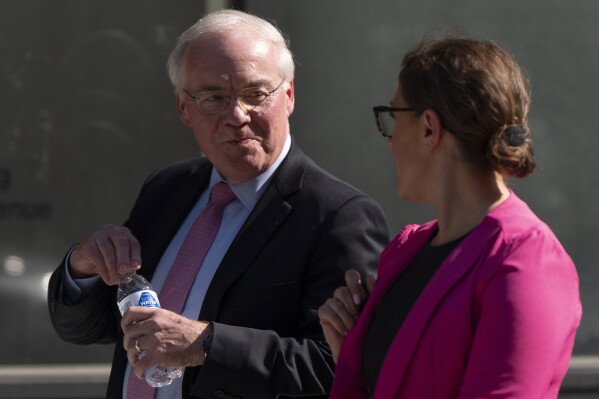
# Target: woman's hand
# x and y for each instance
(339, 313)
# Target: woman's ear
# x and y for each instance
(433, 128)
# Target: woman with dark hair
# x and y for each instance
(482, 302)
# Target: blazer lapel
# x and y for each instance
(268, 214)
(453, 269)
(349, 377)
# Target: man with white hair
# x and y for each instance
(247, 325)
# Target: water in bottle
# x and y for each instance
(135, 290)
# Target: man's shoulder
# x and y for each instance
(319, 185)
(318, 178)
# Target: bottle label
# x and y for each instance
(146, 298)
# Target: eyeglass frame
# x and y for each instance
(379, 109)
(238, 95)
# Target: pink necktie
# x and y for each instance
(184, 270)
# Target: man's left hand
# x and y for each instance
(167, 338)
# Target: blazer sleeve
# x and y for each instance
(88, 321)
(257, 363)
(529, 309)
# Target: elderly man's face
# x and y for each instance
(240, 142)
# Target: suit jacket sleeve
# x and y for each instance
(263, 363)
(88, 321)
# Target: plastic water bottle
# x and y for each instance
(134, 290)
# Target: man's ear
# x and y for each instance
(290, 97)
(433, 128)
(182, 108)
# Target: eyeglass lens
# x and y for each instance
(387, 123)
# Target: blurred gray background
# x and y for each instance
(87, 112)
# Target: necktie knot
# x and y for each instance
(221, 194)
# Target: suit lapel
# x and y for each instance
(453, 269)
(167, 223)
(264, 220)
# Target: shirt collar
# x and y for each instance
(250, 192)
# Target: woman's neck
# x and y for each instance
(464, 202)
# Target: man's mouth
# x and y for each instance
(241, 140)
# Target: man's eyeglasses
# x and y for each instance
(385, 119)
(215, 101)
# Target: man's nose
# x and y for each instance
(237, 112)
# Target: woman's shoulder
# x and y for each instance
(516, 221)
(523, 242)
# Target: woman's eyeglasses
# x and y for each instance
(385, 118)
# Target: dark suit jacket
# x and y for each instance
(288, 258)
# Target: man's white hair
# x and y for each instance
(223, 21)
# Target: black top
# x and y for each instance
(396, 305)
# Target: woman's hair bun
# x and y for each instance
(510, 151)
(515, 135)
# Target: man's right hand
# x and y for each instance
(109, 252)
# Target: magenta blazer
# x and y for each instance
(497, 320)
